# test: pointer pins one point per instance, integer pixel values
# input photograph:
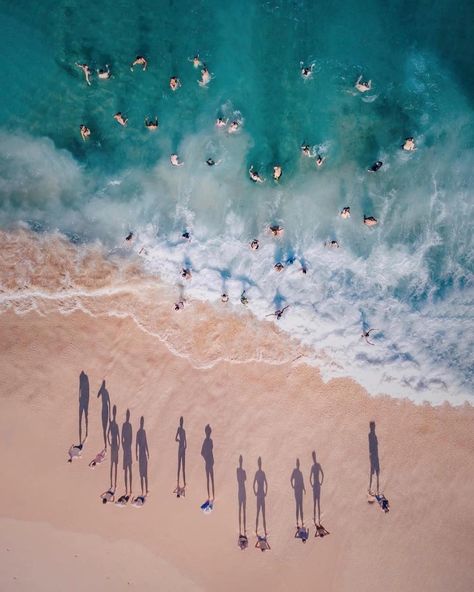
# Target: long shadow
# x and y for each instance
(83, 403)
(208, 456)
(242, 495)
(297, 483)
(142, 455)
(113, 438)
(373, 456)
(126, 440)
(182, 445)
(316, 479)
(104, 393)
(260, 489)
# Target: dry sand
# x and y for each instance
(56, 535)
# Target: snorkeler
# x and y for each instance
(370, 220)
(363, 86)
(276, 230)
(139, 61)
(119, 118)
(104, 73)
(375, 167)
(277, 172)
(174, 159)
(254, 245)
(254, 176)
(175, 83)
(150, 124)
(346, 212)
(409, 145)
(85, 131)
(221, 122)
(205, 76)
(87, 72)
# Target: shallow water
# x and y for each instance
(409, 277)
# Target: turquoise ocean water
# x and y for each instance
(409, 277)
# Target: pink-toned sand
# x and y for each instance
(56, 535)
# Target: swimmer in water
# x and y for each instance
(85, 131)
(254, 176)
(139, 61)
(104, 73)
(205, 77)
(243, 298)
(278, 313)
(319, 160)
(224, 297)
(346, 212)
(234, 127)
(306, 71)
(254, 245)
(211, 162)
(375, 167)
(174, 159)
(306, 150)
(175, 83)
(409, 145)
(186, 273)
(278, 266)
(370, 220)
(186, 235)
(277, 172)
(366, 335)
(119, 118)
(150, 124)
(196, 61)
(129, 236)
(276, 230)
(87, 72)
(362, 86)
(333, 244)
(221, 122)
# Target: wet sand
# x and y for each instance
(57, 534)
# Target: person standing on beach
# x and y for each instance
(373, 457)
(182, 445)
(104, 393)
(113, 438)
(316, 482)
(83, 403)
(208, 456)
(142, 455)
(260, 489)
(241, 478)
(297, 483)
(127, 438)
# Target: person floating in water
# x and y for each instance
(254, 176)
(85, 131)
(276, 230)
(366, 335)
(175, 83)
(306, 71)
(119, 118)
(221, 122)
(277, 172)
(255, 245)
(363, 86)
(243, 298)
(196, 61)
(104, 73)
(370, 220)
(87, 72)
(306, 150)
(139, 61)
(234, 127)
(175, 161)
(152, 125)
(278, 313)
(205, 77)
(319, 160)
(129, 236)
(346, 212)
(375, 167)
(409, 145)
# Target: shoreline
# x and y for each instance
(276, 412)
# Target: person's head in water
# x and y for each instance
(208, 431)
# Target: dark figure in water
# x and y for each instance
(182, 445)
(208, 456)
(104, 393)
(142, 455)
(375, 167)
(127, 439)
(83, 403)
(241, 478)
(113, 438)
(374, 457)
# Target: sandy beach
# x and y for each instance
(55, 533)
